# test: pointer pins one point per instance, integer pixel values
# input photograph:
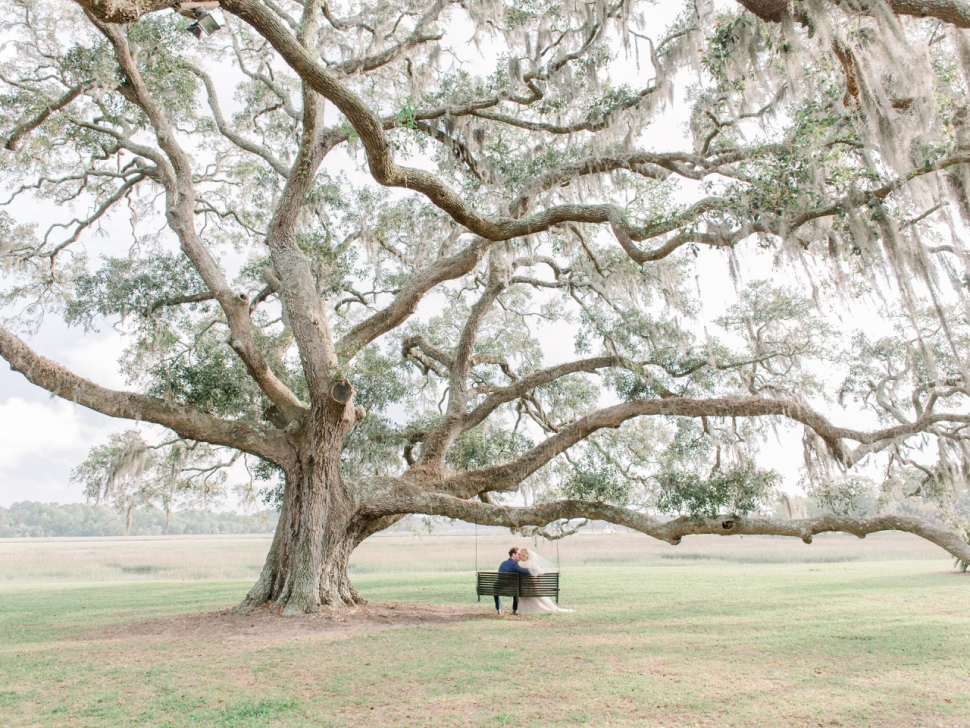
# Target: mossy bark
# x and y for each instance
(306, 567)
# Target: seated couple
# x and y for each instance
(524, 561)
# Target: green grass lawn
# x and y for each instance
(866, 643)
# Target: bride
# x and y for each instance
(537, 605)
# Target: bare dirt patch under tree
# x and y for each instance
(268, 623)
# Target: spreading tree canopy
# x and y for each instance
(452, 258)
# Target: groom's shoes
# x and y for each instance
(514, 613)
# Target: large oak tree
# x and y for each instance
(369, 331)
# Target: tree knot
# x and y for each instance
(341, 392)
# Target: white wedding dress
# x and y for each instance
(538, 605)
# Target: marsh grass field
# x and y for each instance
(714, 632)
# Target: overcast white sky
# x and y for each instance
(41, 437)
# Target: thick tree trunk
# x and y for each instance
(306, 567)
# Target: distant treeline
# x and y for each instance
(41, 520)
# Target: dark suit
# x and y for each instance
(510, 566)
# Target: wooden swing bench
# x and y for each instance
(512, 584)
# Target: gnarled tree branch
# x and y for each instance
(407, 300)
(508, 475)
(954, 12)
(187, 422)
(180, 210)
(245, 144)
(29, 124)
(403, 499)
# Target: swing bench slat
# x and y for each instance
(511, 584)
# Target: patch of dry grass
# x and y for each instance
(206, 558)
(175, 558)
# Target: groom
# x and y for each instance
(510, 566)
